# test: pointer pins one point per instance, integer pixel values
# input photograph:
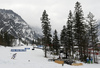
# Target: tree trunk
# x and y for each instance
(45, 51)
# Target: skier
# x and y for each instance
(14, 55)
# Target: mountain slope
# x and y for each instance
(37, 32)
(13, 24)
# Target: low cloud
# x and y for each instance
(31, 10)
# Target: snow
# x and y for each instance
(32, 59)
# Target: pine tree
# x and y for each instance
(79, 29)
(63, 34)
(46, 29)
(63, 39)
(93, 29)
(55, 42)
(70, 33)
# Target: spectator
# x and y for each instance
(91, 60)
(87, 60)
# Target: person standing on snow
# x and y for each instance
(91, 60)
(87, 60)
(61, 55)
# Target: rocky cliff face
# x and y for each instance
(13, 24)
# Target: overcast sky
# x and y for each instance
(58, 10)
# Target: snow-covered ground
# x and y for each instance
(31, 59)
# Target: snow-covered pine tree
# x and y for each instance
(46, 29)
(79, 29)
(93, 30)
(55, 42)
(63, 39)
(70, 34)
(63, 34)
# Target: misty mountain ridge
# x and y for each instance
(13, 24)
(37, 32)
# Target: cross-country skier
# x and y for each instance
(14, 55)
